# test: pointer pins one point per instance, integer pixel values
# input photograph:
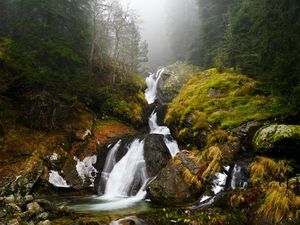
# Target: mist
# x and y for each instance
(168, 26)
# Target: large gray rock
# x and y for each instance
(178, 182)
(173, 78)
(276, 139)
(156, 154)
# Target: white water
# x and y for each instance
(156, 129)
(237, 180)
(85, 168)
(109, 163)
(119, 178)
(152, 82)
(132, 166)
(57, 180)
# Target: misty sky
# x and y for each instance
(152, 17)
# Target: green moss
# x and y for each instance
(224, 101)
(268, 137)
(123, 100)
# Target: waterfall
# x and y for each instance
(238, 179)
(156, 129)
(131, 168)
(124, 182)
(109, 164)
(152, 82)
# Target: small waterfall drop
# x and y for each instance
(131, 167)
(156, 129)
(152, 82)
(108, 166)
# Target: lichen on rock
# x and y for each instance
(276, 136)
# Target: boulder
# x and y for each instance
(156, 154)
(34, 207)
(10, 199)
(27, 198)
(46, 205)
(45, 222)
(27, 215)
(13, 222)
(177, 183)
(13, 208)
(277, 139)
(172, 79)
(43, 216)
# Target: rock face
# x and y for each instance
(173, 78)
(177, 183)
(276, 139)
(156, 154)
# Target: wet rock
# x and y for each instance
(28, 198)
(3, 213)
(23, 185)
(35, 207)
(246, 132)
(13, 208)
(13, 222)
(156, 154)
(27, 215)
(46, 205)
(178, 182)
(43, 216)
(278, 139)
(172, 79)
(10, 199)
(64, 210)
(45, 222)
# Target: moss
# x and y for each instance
(269, 137)
(222, 101)
(124, 100)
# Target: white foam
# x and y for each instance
(57, 180)
(54, 157)
(152, 82)
(219, 182)
(85, 168)
(126, 171)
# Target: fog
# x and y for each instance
(161, 23)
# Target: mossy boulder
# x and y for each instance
(177, 183)
(212, 101)
(277, 138)
(173, 78)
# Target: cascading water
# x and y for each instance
(109, 164)
(131, 168)
(152, 83)
(156, 129)
(123, 183)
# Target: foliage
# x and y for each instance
(265, 170)
(256, 37)
(122, 100)
(221, 101)
(62, 48)
(279, 203)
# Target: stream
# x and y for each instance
(122, 186)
